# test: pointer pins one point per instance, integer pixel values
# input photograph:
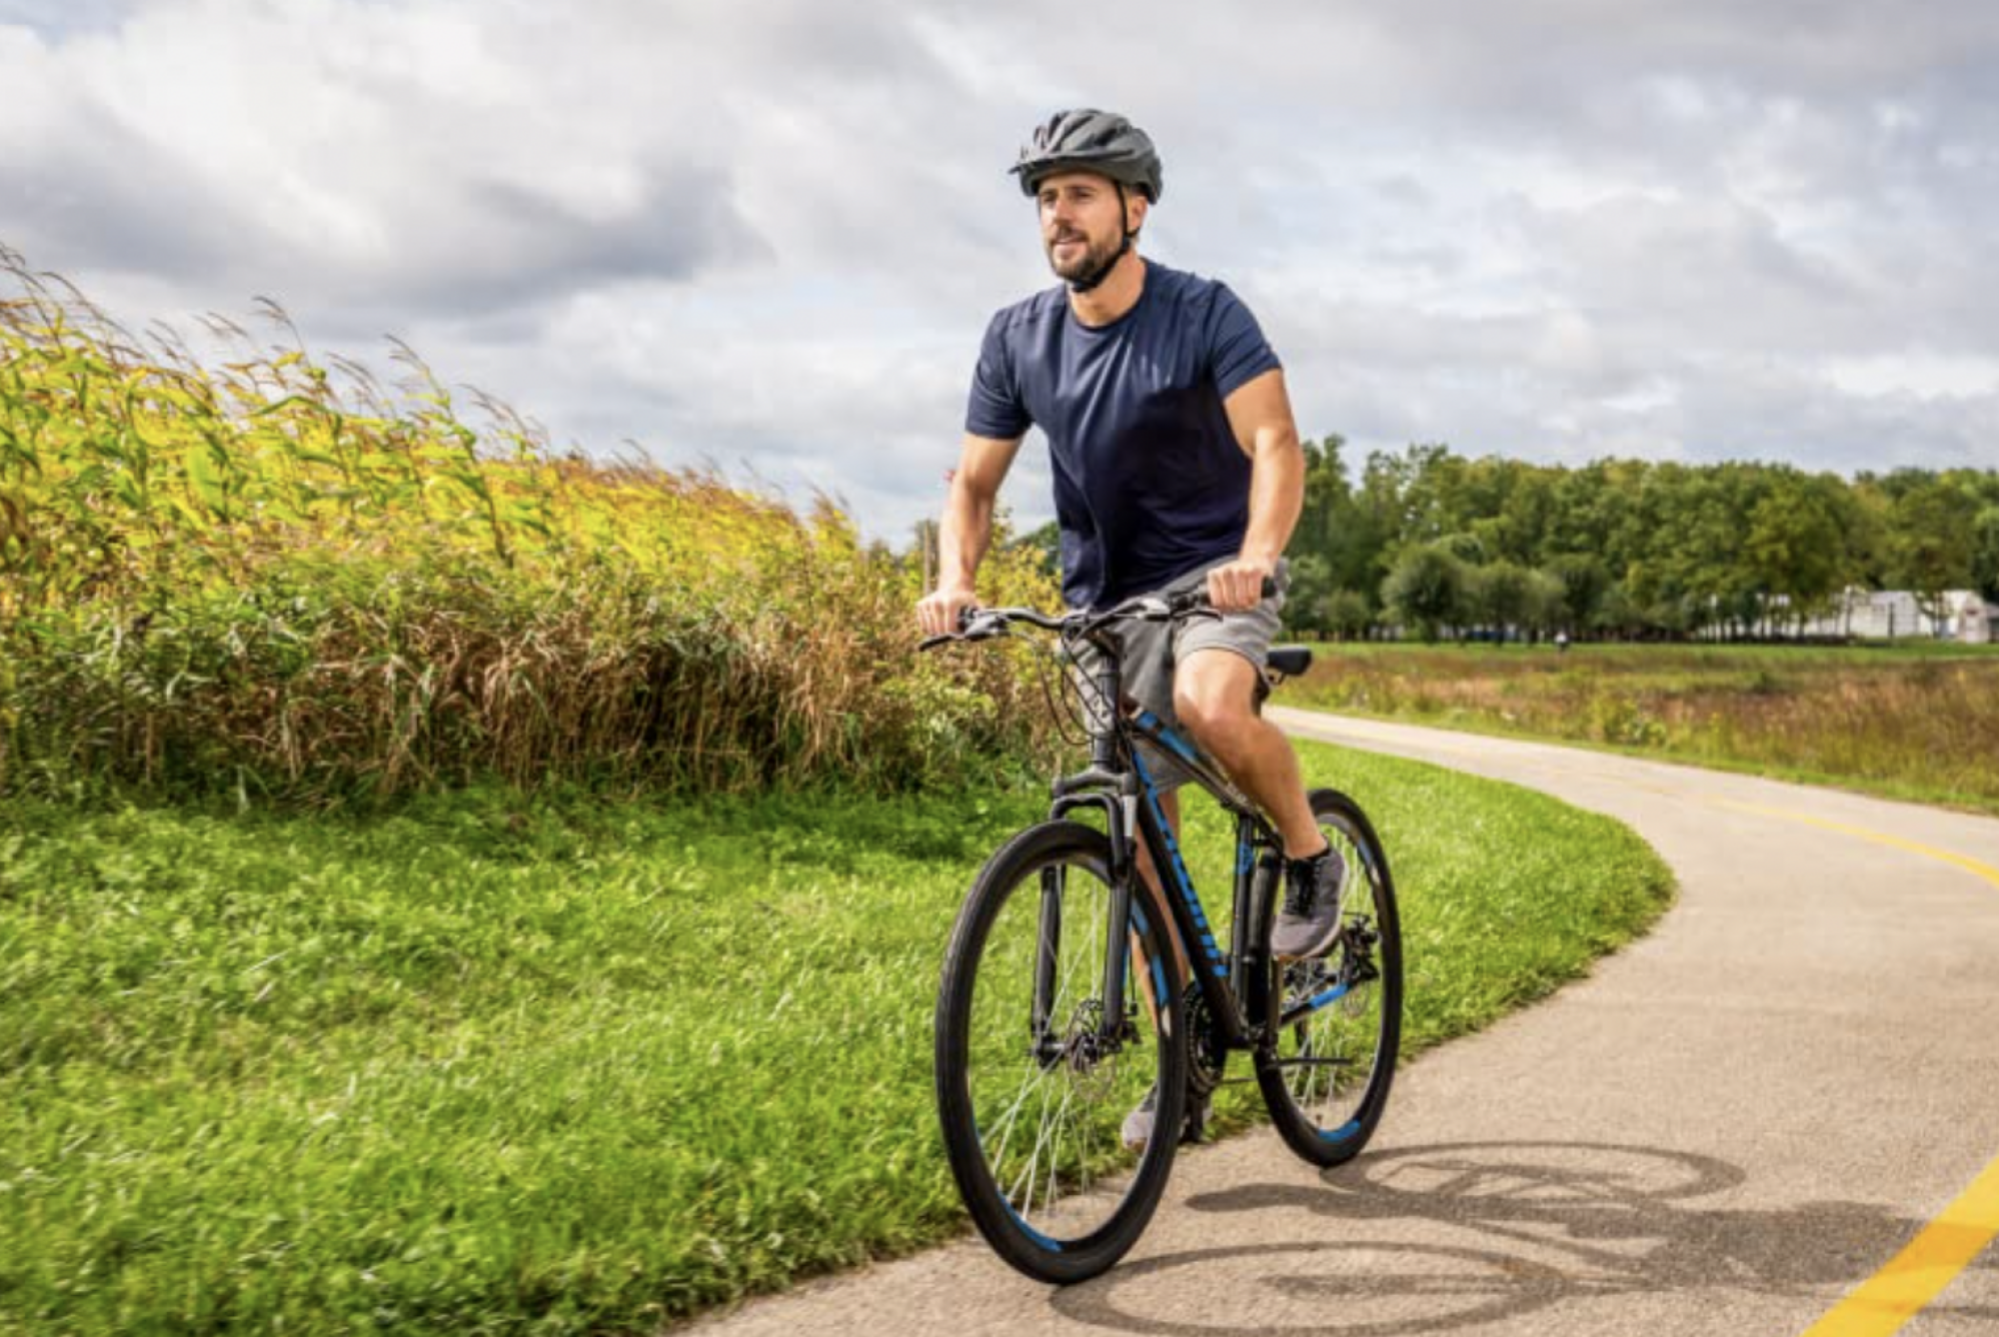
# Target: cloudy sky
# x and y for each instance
(768, 233)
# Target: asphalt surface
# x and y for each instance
(1732, 1127)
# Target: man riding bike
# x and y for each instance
(1177, 467)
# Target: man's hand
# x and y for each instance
(937, 612)
(1238, 585)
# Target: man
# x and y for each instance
(1177, 465)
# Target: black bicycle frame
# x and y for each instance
(1119, 782)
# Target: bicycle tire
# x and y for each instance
(1075, 1216)
(1325, 1079)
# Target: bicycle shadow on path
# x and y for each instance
(1549, 1222)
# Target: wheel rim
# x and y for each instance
(1049, 1123)
(1330, 1059)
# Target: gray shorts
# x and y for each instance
(1151, 649)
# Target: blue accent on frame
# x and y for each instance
(1317, 1001)
(1178, 745)
(1185, 882)
(1181, 748)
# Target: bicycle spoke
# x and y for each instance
(1047, 1108)
(1326, 1076)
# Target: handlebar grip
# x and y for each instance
(1198, 599)
(967, 622)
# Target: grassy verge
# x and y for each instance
(497, 1066)
(1917, 722)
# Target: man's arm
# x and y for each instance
(966, 531)
(1259, 414)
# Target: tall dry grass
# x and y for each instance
(271, 574)
(1909, 722)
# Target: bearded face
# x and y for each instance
(1083, 222)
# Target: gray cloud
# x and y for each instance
(63, 18)
(770, 232)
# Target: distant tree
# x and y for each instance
(1348, 613)
(1794, 545)
(1544, 609)
(1985, 553)
(1644, 548)
(1305, 599)
(1426, 589)
(1328, 498)
(1464, 545)
(1932, 545)
(1583, 581)
(1497, 595)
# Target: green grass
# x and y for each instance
(1918, 721)
(491, 1066)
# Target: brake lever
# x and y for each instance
(973, 625)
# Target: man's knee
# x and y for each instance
(1214, 694)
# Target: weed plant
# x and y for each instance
(274, 577)
(1917, 722)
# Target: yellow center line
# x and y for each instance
(1970, 865)
(1913, 1278)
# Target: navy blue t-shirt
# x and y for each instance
(1149, 480)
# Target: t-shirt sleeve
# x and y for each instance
(1237, 349)
(994, 408)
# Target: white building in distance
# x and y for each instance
(1875, 615)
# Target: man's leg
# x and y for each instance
(1214, 694)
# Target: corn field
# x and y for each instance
(273, 576)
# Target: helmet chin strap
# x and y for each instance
(1089, 281)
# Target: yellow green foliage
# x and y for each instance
(266, 575)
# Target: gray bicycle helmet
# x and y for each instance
(1095, 141)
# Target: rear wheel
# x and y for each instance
(1034, 1082)
(1336, 1021)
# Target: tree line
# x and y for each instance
(1434, 543)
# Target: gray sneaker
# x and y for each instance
(1310, 922)
(1137, 1130)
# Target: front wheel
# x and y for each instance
(1034, 1080)
(1335, 1022)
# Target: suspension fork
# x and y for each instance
(1047, 950)
(1048, 1046)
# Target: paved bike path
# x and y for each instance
(1778, 1114)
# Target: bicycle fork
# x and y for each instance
(1073, 1039)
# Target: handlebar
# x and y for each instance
(981, 624)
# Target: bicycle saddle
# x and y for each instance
(1289, 660)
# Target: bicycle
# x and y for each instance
(1062, 1000)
